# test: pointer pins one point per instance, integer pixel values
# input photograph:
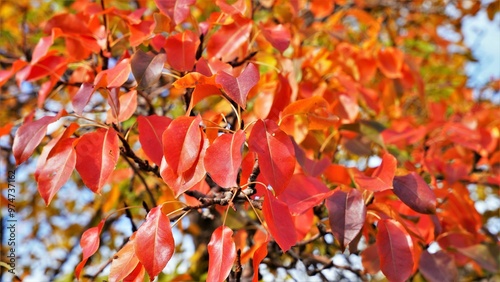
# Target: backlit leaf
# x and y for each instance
(28, 137)
(154, 243)
(259, 255)
(415, 193)
(278, 36)
(390, 62)
(303, 193)
(82, 97)
(114, 77)
(279, 221)
(223, 158)
(347, 213)
(395, 249)
(229, 38)
(275, 152)
(151, 129)
(237, 88)
(381, 178)
(97, 154)
(181, 50)
(90, 244)
(124, 262)
(221, 254)
(178, 10)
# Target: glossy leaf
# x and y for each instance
(28, 137)
(237, 88)
(97, 154)
(182, 142)
(382, 178)
(178, 10)
(181, 50)
(154, 243)
(347, 214)
(221, 254)
(124, 262)
(57, 169)
(151, 129)
(279, 221)
(303, 193)
(415, 193)
(223, 158)
(275, 152)
(147, 68)
(395, 249)
(90, 244)
(437, 267)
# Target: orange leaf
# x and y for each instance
(114, 77)
(124, 262)
(390, 62)
(381, 178)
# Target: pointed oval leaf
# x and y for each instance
(221, 254)
(114, 77)
(124, 262)
(82, 97)
(237, 88)
(279, 221)
(381, 178)
(97, 154)
(303, 193)
(275, 152)
(28, 137)
(395, 249)
(181, 50)
(223, 158)
(182, 142)
(438, 267)
(347, 214)
(154, 243)
(57, 169)
(147, 67)
(415, 193)
(90, 244)
(151, 129)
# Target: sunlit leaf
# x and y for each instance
(221, 254)
(151, 129)
(381, 178)
(237, 88)
(90, 244)
(279, 221)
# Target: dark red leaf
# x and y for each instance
(97, 154)
(147, 67)
(347, 214)
(275, 152)
(154, 242)
(89, 244)
(223, 158)
(237, 88)
(395, 249)
(221, 254)
(151, 129)
(279, 221)
(415, 193)
(438, 267)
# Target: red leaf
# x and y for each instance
(223, 158)
(237, 88)
(178, 10)
(229, 38)
(182, 142)
(438, 267)
(481, 254)
(154, 242)
(415, 193)
(221, 254)
(114, 77)
(151, 129)
(97, 154)
(137, 275)
(279, 221)
(303, 193)
(258, 256)
(127, 104)
(82, 97)
(57, 169)
(90, 244)
(181, 50)
(390, 62)
(28, 137)
(278, 36)
(275, 152)
(347, 213)
(281, 98)
(124, 262)
(310, 167)
(395, 249)
(381, 178)
(147, 67)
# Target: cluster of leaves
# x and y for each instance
(249, 115)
